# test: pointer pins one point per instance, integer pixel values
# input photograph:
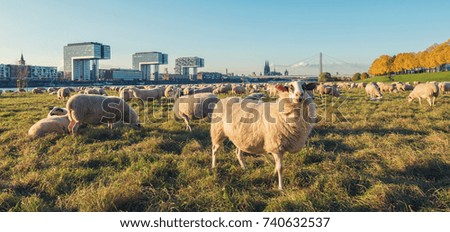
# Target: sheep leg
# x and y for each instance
(239, 157)
(110, 126)
(420, 101)
(70, 127)
(279, 169)
(186, 120)
(73, 127)
(434, 100)
(217, 138)
(429, 101)
(215, 148)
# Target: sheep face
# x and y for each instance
(57, 111)
(410, 98)
(297, 90)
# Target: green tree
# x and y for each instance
(356, 76)
(364, 75)
(325, 76)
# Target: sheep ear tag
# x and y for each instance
(281, 88)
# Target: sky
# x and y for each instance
(234, 34)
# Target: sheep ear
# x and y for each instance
(309, 86)
(281, 88)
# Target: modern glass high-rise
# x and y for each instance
(183, 64)
(81, 60)
(144, 60)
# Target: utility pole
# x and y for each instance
(320, 64)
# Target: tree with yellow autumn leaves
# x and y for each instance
(431, 60)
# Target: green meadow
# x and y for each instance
(383, 155)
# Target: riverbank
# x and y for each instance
(12, 84)
(423, 77)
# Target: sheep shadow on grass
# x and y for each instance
(375, 131)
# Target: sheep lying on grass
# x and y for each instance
(263, 127)
(256, 96)
(97, 109)
(53, 124)
(428, 91)
(195, 106)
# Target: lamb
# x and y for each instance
(263, 127)
(54, 124)
(196, 106)
(327, 89)
(333, 91)
(37, 91)
(372, 90)
(63, 93)
(387, 87)
(237, 89)
(58, 111)
(320, 89)
(427, 91)
(52, 89)
(168, 91)
(223, 89)
(273, 90)
(97, 109)
(91, 91)
(125, 94)
(101, 91)
(444, 87)
(408, 86)
(172, 93)
(188, 91)
(148, 94)
(400, 86)
(204, 90)
(361, 85)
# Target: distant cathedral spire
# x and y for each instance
(266, 68)
(21, 61)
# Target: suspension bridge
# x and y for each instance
(312, 66)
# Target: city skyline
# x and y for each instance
(238, 36)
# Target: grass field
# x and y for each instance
(385, 156)
(423, 77)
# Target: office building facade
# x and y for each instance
(120, 74)
(5, 71)
(184, 64)
(13, 71)
(148, 63)
(81, 60)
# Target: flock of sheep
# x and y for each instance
(251, 124)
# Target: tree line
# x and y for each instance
(433, 59)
